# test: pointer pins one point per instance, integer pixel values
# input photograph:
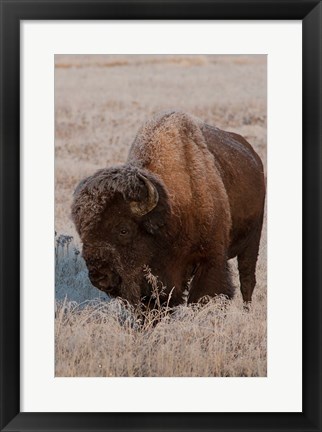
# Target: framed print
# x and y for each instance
(175, 152)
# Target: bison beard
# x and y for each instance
(189, 198)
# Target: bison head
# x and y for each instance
(121, 214)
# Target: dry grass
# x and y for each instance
(106, 339)
(100, 101)
(110, 338)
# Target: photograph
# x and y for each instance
(160, 215)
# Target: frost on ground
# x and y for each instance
(71, 275)
(100, 102)
(98, 338)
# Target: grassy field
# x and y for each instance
(100, 101)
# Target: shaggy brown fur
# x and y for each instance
(211, 191)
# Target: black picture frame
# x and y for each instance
(12, 12)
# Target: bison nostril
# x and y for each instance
(103, 277)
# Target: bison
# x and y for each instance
(189, 198)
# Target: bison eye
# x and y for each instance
(123, 231)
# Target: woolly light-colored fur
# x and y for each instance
(93, 193)
(172, 146)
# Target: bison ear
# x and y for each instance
(154, 222)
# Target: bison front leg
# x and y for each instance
(211, 280)
(247, 260)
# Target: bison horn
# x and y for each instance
(141, 208)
